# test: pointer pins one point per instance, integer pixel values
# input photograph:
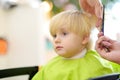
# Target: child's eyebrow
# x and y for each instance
(63, 29)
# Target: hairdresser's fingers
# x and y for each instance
(93, 7)
(98, 9)
(99, 12)
(103, 38)
(87, 6)
(100, 34)
(91, 3)
(106, 44)
(103, 42)
(99, 23)
(99, 48)
(98, 45)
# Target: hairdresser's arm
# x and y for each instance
(93, 7)
(104, 42)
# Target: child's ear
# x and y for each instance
(85, 39)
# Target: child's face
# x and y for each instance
(66, 43)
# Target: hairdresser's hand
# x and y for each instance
(104, 42)
(93, 7)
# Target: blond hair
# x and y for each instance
(76, 21)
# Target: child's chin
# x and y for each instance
(62, 54)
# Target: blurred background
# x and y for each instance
(24, 29)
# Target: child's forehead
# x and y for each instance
(62, 28)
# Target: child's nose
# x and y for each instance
(57, 39)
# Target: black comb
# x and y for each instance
(102, 28)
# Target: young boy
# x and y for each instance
(71, 38)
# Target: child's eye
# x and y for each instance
(54, 36)
(64, 33)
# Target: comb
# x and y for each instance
(102, 27)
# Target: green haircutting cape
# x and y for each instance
(89, 66)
